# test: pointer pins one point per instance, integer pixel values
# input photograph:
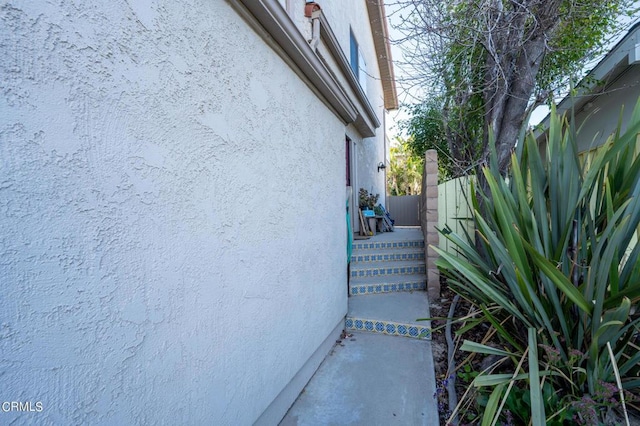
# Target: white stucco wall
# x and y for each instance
(172, 245)
(344, 17)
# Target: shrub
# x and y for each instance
(366, 200)
(553, 268)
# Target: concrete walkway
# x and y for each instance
(374, 378)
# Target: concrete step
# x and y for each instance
(386, 284)
(375, 269)
(398, 255)
(370, 379)
(416, 243)
(391, 313)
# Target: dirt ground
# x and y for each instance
(439, 310)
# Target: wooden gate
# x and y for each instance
(454, 211)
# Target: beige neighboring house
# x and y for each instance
(607, 94)
(172, 202)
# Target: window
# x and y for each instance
(358, 65)
(354, 54)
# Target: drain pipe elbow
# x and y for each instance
(312, 10)
(315, 32)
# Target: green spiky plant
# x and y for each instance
(553, 268)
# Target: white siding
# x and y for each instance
(598, 119)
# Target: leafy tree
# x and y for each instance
(428, 129)
(405, 170)
(493, 61)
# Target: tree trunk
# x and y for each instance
(514, 57)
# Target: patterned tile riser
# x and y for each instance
(358, 290)
(378, 272)
(388, 245)
(388, 327)
(387, 257)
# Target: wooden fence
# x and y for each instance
(404, 210)
(454, 212)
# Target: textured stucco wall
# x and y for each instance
(352, 15)
(172, 245)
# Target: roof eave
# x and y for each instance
(610, 66)
(380, 31)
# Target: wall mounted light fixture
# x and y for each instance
(382, 166)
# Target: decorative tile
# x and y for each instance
(362, 289)
(425, 333)
(389, 327)
(388, 245)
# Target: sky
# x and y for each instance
(409, 95)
